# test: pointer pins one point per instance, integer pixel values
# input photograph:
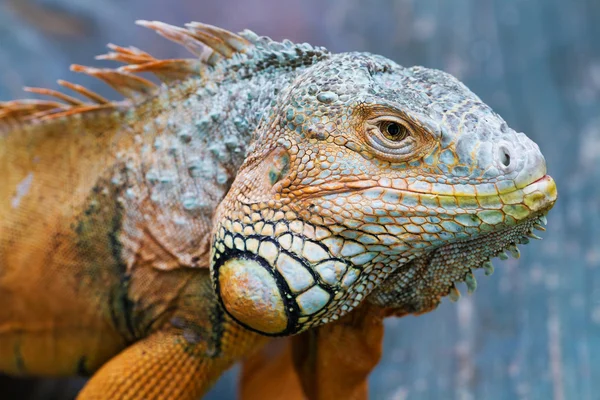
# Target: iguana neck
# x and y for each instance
(190, 141)
(205, 128)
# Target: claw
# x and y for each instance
(502, 256)
(488, 268)
(543, 219)
(539, 227)
(514, 251)
(471, 282)
(454, 293)
(534, 236)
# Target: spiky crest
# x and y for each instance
(210, 44)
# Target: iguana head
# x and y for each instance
(368, 177)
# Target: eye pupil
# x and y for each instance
(393, 129)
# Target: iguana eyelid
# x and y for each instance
(379, 122)
(412, 146)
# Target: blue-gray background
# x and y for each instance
(532, 330)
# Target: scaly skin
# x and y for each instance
(308, 182)
(346, 207)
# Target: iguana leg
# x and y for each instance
(270, 374)
(332, 361)
(170, 365)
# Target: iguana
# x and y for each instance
(259, 189)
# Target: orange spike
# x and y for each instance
(168, 70)
(128, 50)
(128, 85)
(28, 105)
(13, 111)
(130, 55)
(95, 97)
(213, 42)
(236, 42)
(178, 35)
(43, 115)
(76, 110)
(54, 93)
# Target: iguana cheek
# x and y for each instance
(251, 295)
(275, 287)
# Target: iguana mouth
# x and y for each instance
(400, 186)
(542, 191)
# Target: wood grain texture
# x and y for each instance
(532, 330)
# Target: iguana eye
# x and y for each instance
(391, 138)
(393, 130)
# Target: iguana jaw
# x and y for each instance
(418, 286)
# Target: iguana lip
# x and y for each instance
(541, 194)
(520, 204)
(544, 185)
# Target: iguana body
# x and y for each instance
(305, 180)
(76, 301)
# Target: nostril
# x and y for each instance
(504, 156)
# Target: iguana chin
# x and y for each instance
(309, 183)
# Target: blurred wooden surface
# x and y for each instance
(532, 330)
